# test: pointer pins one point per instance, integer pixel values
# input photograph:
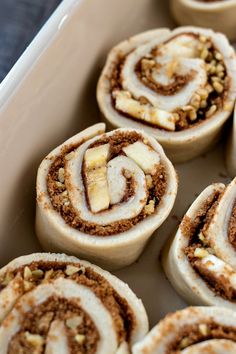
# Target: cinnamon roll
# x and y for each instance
(101, 195)
(216, 14)
(194, 330)
(200, 262)
(53, 303)
(178, 85)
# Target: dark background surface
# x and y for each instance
(20, 20)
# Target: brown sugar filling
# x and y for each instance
(232, 227)
(57, 191)
(197, 333)
(44, 272)
(185, 120)
(39, 320)
(192, 229)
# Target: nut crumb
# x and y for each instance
(80, 338)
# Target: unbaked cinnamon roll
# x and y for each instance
(194, 330)
(200, 262)
(179, 86)
(101, 195)
(216, 14)
(231, 149)
(53, 303)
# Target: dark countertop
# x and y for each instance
(20, 20)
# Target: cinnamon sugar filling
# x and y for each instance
(194, 230)
(31, 275)
(192, 334)
(60, 200)
(232, 227)
(34, 328)
(201, 107)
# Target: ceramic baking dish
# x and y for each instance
(48, 96)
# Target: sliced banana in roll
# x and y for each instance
(179, 86)
(56, 304)
(101, 195)
(200, 262)
(194, 330)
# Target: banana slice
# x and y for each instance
(152, 115)
(217, 270)
(96, 176)
(144, 156)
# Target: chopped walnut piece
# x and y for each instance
(28, 285)
(70, 269)
(74, 322)
(34, 339)
(184, 343)
(204, 329)
(37, 274)
(150, 207)
(61, 173)
(27, 273)
(48, 274)
(149, 181)
(80, 338)
(200, 253)
(7, 279)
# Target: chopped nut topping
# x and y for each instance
(204, 53)
(209, 88)
(149, 181)
(127, 174)
(27, 273)
(147, 64)
(150, 207)
(38, 273)
(215, 78)
(34, 339)
(201, 237)
(203, 39)
(204, 329)
(192, 115)
(200, 253)
(218, 87)
(203, 104)
(59, 184)
(61, 173)
(28, 285)
(7, 279)
(64, 194)
(187, 108)
(48, 274)
(203, 93)
(70, 269)
(195, 101)
(219, 68)
(74, 322)
(218, 56)
(80, 338)
(211, 111)
(184, 343)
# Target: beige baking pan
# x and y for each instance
(49, 95)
